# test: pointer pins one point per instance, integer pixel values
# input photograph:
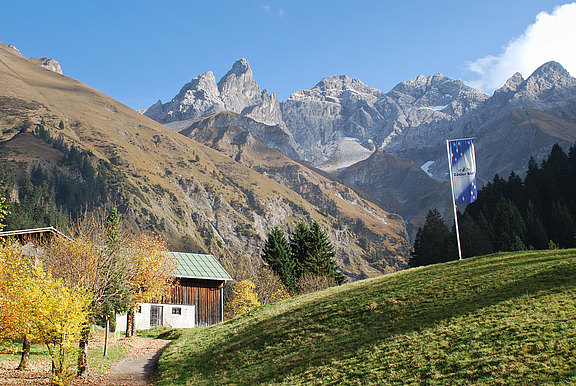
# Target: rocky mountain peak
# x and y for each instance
(50, 64)
(549, 85)
(551, 71)
(202, 83)
(237, 91)
(511, 84)
(241, 66)
(11, 48)
(340, 83)
(547, 76)
(238, 88)
(420, 85)
(47, 63)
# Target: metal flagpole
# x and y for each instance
(453, 199)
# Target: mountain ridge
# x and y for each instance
(199, 199)
(342, 122)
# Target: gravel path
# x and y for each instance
(138, 368)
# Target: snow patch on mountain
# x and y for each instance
(348, 152)
(426, 167)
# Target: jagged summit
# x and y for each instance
(551, 69)
(241, 66)
(11, 48)
(511, 84)
(420, 85)
(237, 91)
(549, 86)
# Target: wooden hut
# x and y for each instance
(195, 301)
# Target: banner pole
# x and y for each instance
(453, 199)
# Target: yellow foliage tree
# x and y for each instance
(151, 274)
(87, 262)
(58, 314)
(14, 321)
(34, 304)
(244, 298)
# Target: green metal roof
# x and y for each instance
(199, 266)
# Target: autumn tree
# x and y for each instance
(38, 306)
(89, 261)
(310, 282)
(151, 272)
(14, 319)
(244, 298)
(58, 313)
(270, 287)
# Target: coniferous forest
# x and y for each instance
(510, 214)
(44, 195)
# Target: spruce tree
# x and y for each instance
(473, 239)
(278, 255)
(321, 256)
(562, 226)
(535, 233)
(313, 253)
(433, 243)
(300, 244)
(509, 228)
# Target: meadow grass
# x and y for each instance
(504, 318)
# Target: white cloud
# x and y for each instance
(551, 37)
(271, 11)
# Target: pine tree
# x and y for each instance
(277, 253)
(509, 228)
(321, 255)
(563, 226)
(474, 240)
(299, 244)
(433, 242)
(313, 253)
(535, 233)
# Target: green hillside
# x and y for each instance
(506, 318)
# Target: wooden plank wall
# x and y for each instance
(205, 295)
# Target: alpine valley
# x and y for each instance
(222, 163)
(222, 199)
(390, 147)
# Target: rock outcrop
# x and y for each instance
(47, 63)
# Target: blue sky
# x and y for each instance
(141, 51)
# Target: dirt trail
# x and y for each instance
(138, 367)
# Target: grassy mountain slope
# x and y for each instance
(506, 318)
(198, 198)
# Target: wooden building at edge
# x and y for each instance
(196, 300)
